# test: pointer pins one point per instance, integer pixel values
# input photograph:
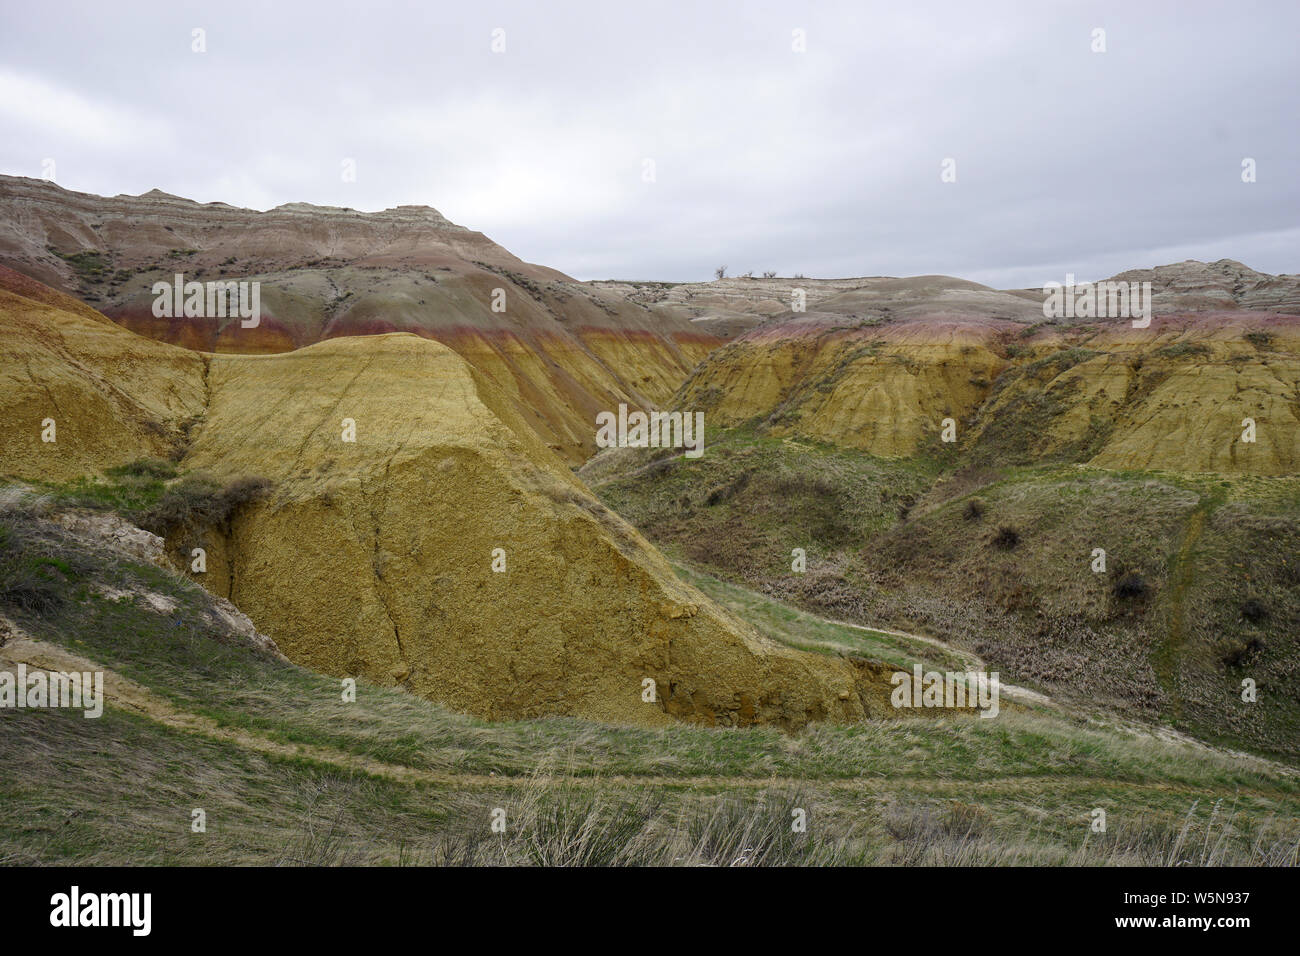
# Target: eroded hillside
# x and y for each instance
(374, 557)
(1176, 395)
(200, 713)
(1115, 519)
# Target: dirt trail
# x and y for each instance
(125, 694)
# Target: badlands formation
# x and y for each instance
(1108, 512)
(880, 367)
(374, 557)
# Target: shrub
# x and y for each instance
(30, 591)
(89, 263)
(33, 575)
(1007, 538)
(723, 492)
(199, 501)
(245, 490)
(1131, 585)
(1239, 654)
(661, 466)
(1183, 350)
(974, 509)
(1254, 610)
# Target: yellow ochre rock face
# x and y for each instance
(883, 390)
(107, 394)
(1208, 392)
(1187, 394)
(374, 557)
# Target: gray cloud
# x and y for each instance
(825, 162)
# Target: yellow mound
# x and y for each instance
(1174, 397)
(885, 391)
(112, 396)
(374, 558)
(1178, 398)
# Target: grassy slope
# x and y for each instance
(918, 545)
(288, 773)
(808, 632)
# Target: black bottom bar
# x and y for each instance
(339, 905)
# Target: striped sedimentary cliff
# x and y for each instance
(565, 349)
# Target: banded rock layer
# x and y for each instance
(563, 349)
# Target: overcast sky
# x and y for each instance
(826, 162)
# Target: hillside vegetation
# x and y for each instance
(1109, 513)
(1201, 587)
